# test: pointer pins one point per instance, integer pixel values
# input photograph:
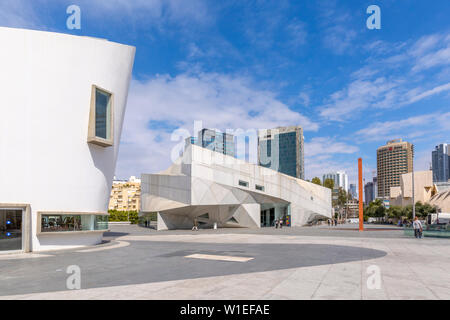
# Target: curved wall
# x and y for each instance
(45, 99)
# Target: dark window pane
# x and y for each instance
(102, 114)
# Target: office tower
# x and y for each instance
(375, 188)
(369, 192)
(282, 149)
(215, 141)
(393, 159)
(441, 163)
(340, 179)
(352, 190)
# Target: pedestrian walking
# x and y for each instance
(329, 222)
(281, 223)
(195, 227)
(418, 229)
(276, 224)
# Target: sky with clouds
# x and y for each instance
(261, 64)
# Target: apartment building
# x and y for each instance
(126, 195)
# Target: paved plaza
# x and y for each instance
(289, 263)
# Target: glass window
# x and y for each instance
(101, 118)
(102, 114)
(10, 230)
(243, 183)
(73, 222)
(258, 187)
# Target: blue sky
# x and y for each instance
(262, 64)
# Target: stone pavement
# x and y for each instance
(296, 263)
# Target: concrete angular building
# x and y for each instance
(213, 188)
(62, 106)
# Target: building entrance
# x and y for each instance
(10, 229)
(272, 212)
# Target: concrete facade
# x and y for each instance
(393, 159)
(47, 82)
(423, 189)
(214, 188)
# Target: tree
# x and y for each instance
(115, 215)
(317, 181)
(394, 212)
(423, 210)
(375, 209)
(329, 183)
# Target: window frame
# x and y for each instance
(243, 183)
(92, 138)
(65, 213)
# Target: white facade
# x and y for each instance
(214, 188)
(46, 162)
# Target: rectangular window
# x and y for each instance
(258, 187)
(101, 117)
(243, 183)
(72, 222)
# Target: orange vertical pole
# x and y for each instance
(361, 208)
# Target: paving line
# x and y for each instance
(220, 258)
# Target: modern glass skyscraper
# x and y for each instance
(215, 141)
(441, 163)
(352, 190)
(282, 149)
(340, 179)
(369, 193)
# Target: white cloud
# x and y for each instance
(391, 82)
(219, 101)
(423, 95)
(412, 127)
(321, 154)
(327, 146)
(359, 95)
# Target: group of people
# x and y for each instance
(332, 222)
(278, 223)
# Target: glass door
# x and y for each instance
(10, 230)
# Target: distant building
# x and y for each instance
(282, 150)
(393, 159)
(369, 193)
(340, 179)
(423, 189)
(125, 195)
(441, 163)
(352, 190)
(375, 188)
(214, 141)
(352, 207)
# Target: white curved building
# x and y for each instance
(62, 103)
(208, 188)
